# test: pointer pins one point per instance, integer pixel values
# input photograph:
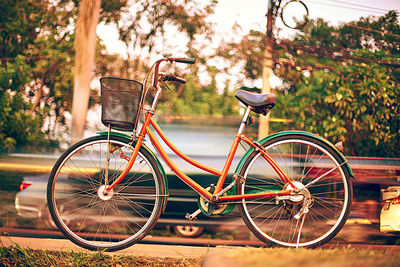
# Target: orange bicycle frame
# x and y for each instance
(145, 130)
(217, 195)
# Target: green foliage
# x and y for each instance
(340, 82)
(10, 181)
(36, 74)
(18, 20)
(35, 77)
(197, 99)
(188, 16)
(351, 92)
(19, 128)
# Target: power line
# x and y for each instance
(348, 7)
(368, 7)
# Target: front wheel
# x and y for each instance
(93, 218)
(308, 218)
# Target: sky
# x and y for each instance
(251, 14)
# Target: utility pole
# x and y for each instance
(263, 127)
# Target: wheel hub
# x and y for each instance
(104, 194)
(299, 192)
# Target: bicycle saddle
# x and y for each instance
(260, 103)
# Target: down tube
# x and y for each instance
(198, 188)
(179, 153)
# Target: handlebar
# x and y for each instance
(184, 60)
(160, 77)
(172, 77)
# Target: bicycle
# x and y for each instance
(107, 192)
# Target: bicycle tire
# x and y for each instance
(303, 158)
(92, 219)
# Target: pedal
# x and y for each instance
(210, 208)
(193, 217)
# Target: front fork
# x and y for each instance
(135, 152)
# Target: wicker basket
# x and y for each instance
(120, 103)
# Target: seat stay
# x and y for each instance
(282, 175)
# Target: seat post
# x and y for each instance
(244, 120)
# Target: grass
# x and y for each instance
(17, 256)
(343, 257)
(272, 257)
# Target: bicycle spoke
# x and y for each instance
(285, 220)
(105, 220)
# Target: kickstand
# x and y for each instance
(301, 228)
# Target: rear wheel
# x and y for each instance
(308, 218)
(93, 218)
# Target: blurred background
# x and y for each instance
(337, 76)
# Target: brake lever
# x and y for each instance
(166, 85)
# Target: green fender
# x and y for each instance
(299, 133)
(160, 167)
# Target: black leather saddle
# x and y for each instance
(260, 103)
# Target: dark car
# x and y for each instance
(31, 204)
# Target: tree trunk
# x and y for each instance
(85, 45)
(263, 126)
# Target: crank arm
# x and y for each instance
(193, 217)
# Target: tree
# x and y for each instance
(85, 44)
(36, 78)
(34, 59)
(340, 82)
(188, 16)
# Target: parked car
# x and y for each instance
(31, 204)
(390, 213)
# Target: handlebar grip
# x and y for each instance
(185, 60)
(171, 77)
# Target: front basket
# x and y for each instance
(120, 100)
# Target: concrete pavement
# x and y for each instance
(149, 250)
